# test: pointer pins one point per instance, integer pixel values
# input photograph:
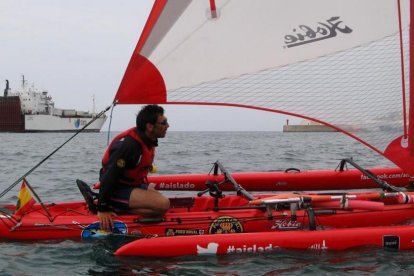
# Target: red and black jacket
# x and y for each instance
(126, 162)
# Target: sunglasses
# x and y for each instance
(164, 123)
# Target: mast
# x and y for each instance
(23, 82)
(411, 103)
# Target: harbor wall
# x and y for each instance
(307, 128)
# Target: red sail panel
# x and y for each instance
(142, 83)
(400, 155)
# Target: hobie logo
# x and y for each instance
(286, 224)
(305, 34)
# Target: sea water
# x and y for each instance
(179, 152)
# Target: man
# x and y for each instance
(125, 166)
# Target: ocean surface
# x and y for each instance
(179, 152)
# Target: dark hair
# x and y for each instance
(148, 114)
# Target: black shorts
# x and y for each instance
(120, 196)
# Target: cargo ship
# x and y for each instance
(31, 110)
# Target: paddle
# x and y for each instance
(326, 201)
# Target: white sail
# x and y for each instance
(337, 62)
(250, 36)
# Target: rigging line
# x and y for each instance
(53, 152)
(110, 123)
(402, 70)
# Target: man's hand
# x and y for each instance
(105, 220)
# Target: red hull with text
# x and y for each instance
(285, 180)
(392, 237)
(214, 215)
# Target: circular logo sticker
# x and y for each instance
(93, 231)
(120, 163)
(224, 225)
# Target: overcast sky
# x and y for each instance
(76, 49)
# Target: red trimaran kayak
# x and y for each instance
(292, 57)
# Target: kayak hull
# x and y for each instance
(392, 237)
(203, 215)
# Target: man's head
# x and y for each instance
(152, 122)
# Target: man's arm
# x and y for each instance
(122, 156)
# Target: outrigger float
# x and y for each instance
(389, 237)
(291, 179)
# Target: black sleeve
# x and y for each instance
(123, 155)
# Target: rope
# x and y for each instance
(110, 123)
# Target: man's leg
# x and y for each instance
(148, 202)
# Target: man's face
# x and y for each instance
(159, 129)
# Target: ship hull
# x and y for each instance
(50, 123)
(12, 120)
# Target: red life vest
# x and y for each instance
(138, 174)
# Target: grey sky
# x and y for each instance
(76, 49)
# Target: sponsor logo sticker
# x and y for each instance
(211, 249)
(93, 231)
(391, 242)
(286, 224)
(224, 225)
(120, 163)
(176, 186)
(305, 34)
(252, 248)
(183, 232)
